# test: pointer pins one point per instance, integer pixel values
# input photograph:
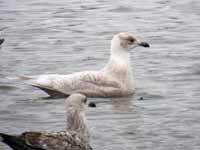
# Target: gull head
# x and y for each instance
(76, 102)
(125, 41)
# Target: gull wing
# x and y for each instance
(46, 141)
(58, 140)
(90, 83)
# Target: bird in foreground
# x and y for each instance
(114, 80)
(75, 137)
(1, 41)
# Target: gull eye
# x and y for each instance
(131, 41)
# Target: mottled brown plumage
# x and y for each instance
(75, 137)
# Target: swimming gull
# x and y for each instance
(75, 137)
(114, 80)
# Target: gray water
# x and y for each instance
(66, 36)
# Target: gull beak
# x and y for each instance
(143, 44)
(91, 104)
(1, 41)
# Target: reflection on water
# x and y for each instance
(123, 104)
(44, 37)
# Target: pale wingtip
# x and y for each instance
(19, 77)
(11, 78)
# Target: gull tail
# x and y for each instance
(16, 142)
(41, 82)
(53, 93)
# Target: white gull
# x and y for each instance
(75, 137)
(114, 80)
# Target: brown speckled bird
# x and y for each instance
(75, 137)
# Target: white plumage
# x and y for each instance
(114, 80)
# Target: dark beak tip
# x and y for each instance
(146, 44)
(91, 104)
(1, 41)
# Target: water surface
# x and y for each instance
(67, 36)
